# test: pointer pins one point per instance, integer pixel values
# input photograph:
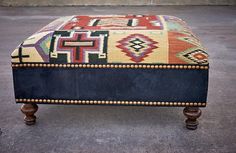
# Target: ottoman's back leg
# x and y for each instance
(29, 110)
(192, 113)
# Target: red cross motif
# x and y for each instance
(78, 44)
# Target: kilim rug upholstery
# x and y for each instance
(136, 60)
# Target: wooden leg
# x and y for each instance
(29, 110)
(192, 113)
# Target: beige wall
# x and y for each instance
(113, 2)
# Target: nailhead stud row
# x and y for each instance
(110, 66)
(60, 101)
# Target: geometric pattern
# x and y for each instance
(185, 48)
(114, 39)
(34, 49)
(18, 56)
(79, 47)
(118, 22)
(114, 22)
(42, 45)
(197, 56)
(137, 46)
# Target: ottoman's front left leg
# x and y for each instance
(192, 113)
(29, 110)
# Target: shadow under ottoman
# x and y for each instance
(133, 60)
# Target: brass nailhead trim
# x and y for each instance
(92, 102)
(120, 66)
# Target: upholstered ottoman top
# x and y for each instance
(129, 60)
(113, 41)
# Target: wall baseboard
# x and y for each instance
(113, 2)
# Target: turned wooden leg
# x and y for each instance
(192, 113)
(29, 110)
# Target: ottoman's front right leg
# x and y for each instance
(29, 110)
(192, 113)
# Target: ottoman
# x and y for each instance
(131, 60)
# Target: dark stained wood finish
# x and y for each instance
(29, 110)
(192, 113)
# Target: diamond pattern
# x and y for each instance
(195, 56)
(137, 46)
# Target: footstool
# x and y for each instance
(131, 60)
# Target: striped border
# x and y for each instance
(143, 66)
(105, 102)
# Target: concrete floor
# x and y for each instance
(107, 129)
